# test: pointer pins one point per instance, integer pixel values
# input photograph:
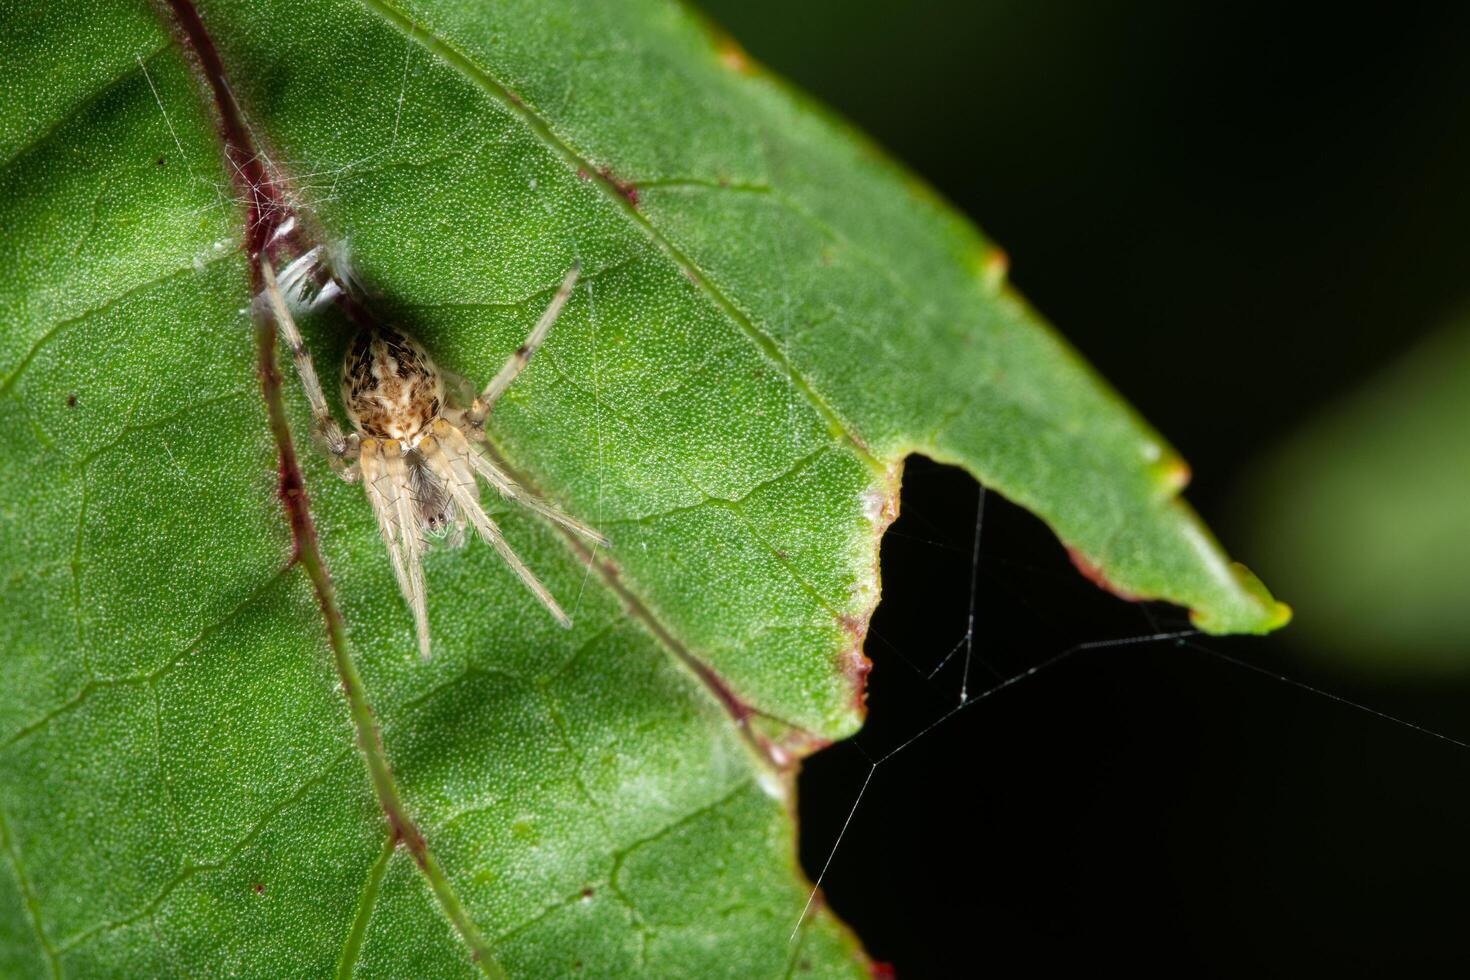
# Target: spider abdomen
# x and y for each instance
(390, 386)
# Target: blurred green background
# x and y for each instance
(1252, 218)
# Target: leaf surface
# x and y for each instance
(772, 316)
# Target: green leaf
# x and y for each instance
(1365, 512)
(771, 317)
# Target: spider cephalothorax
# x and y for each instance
(418, 455)
(390, 386)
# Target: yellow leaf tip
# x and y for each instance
(1171, 473)
(995, 265)
(1262, 614)
(732, 55)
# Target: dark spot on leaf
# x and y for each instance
(71, 399)
(588, 892)
(623, 187)
(159, 162)
(258, 888)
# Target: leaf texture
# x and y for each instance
(771, 317)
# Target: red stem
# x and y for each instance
(266, 210)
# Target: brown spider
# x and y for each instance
(416, 453)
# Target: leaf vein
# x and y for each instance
(33, 905)
(371, 888)
(478, 75)
(190, 870)
(133, 428)
(308, 555)
(730, 505)
(98, 683)
(50, 333)
(92, 98)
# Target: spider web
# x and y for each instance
(993, 660)
(987, 620)
(310, 184)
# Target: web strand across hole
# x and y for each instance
(967, 701)
(874, 778)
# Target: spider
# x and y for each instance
(415, 450)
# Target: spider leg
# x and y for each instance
(342, 449)
(456, 445)
(382, 493)
(441, 464)
(398, 494)
(480, 407)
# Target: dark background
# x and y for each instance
(1237, 212)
